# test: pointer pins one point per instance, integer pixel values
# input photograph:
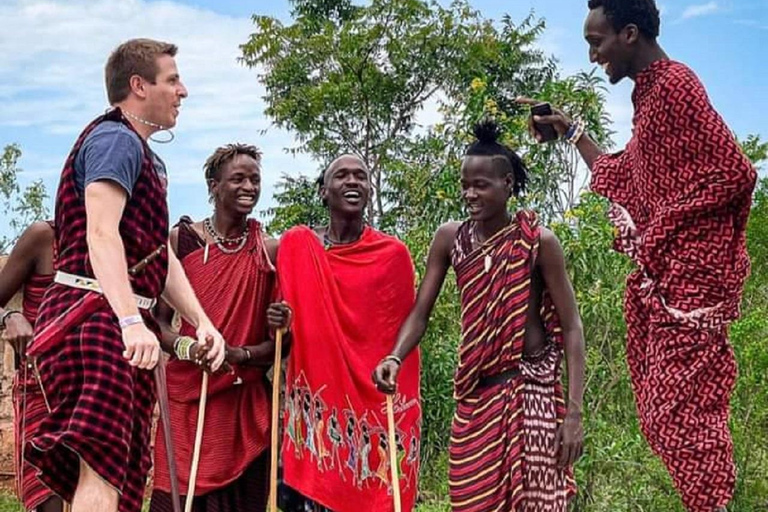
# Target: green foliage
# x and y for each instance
(755, 149)
(353, 79)
(299, 204)
(348, 78)
(20, 206)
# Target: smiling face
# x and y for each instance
(613, 51)
(486, 186)
(346, 186)
(238, 187)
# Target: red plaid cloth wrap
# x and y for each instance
(100, 407)
(28, 403)
(681, 193)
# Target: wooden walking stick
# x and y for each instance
(165, 420)
(393, 453)
(198, 444)
(275, 411)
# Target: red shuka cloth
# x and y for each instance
(348, 302)
(501, 455)
(235, 290)
(101, 407)
(681, 193)
(28, 402)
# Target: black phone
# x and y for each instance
(547, 131)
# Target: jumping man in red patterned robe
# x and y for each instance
(513, 439)
(681, 192)
(92, 449)
(30, 265)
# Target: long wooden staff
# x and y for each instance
(198, 444)
(275, 411)
(165, 420)
(393, 453)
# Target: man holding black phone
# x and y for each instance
(681, 193)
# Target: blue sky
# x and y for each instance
(52, 54)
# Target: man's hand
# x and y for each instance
(142, 349)
(17, 332)
(279, 315)
(569, 441)
(385, 376)
(207, 334)
(558, 119)
(198, 354)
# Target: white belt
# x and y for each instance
(92, 285)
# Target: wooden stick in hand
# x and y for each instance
(393, 453)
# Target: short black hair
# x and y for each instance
(487, 133)
(225, 154)
(621, 13)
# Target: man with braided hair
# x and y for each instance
(230, 263)
(513, 438)
(92, 449)
(681, 192)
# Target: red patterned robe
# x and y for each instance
(681, 194)
(502, 451)
(234, 290)
(348, 303)
(100, 408)
(28, 403)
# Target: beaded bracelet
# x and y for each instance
(575, 131)
(182, 348)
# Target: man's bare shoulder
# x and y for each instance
(550, 250)
(448, 230)
(445, 236)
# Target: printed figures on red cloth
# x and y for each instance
(348, 303)
(681, 193)
(29, 267)
(513, 438)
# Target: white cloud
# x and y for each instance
(52, 55)
(694, 11)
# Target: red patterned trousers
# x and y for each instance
(682, 379)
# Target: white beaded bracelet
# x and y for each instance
(127, 321)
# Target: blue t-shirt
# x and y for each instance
(112, 152)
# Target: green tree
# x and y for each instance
(21, 206)
(353, 79)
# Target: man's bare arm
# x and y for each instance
(587, 147)
(415, 324)
(104, 205)
(19, 266)
(551, 262)
(180, 296)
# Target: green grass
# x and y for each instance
(8, 503)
